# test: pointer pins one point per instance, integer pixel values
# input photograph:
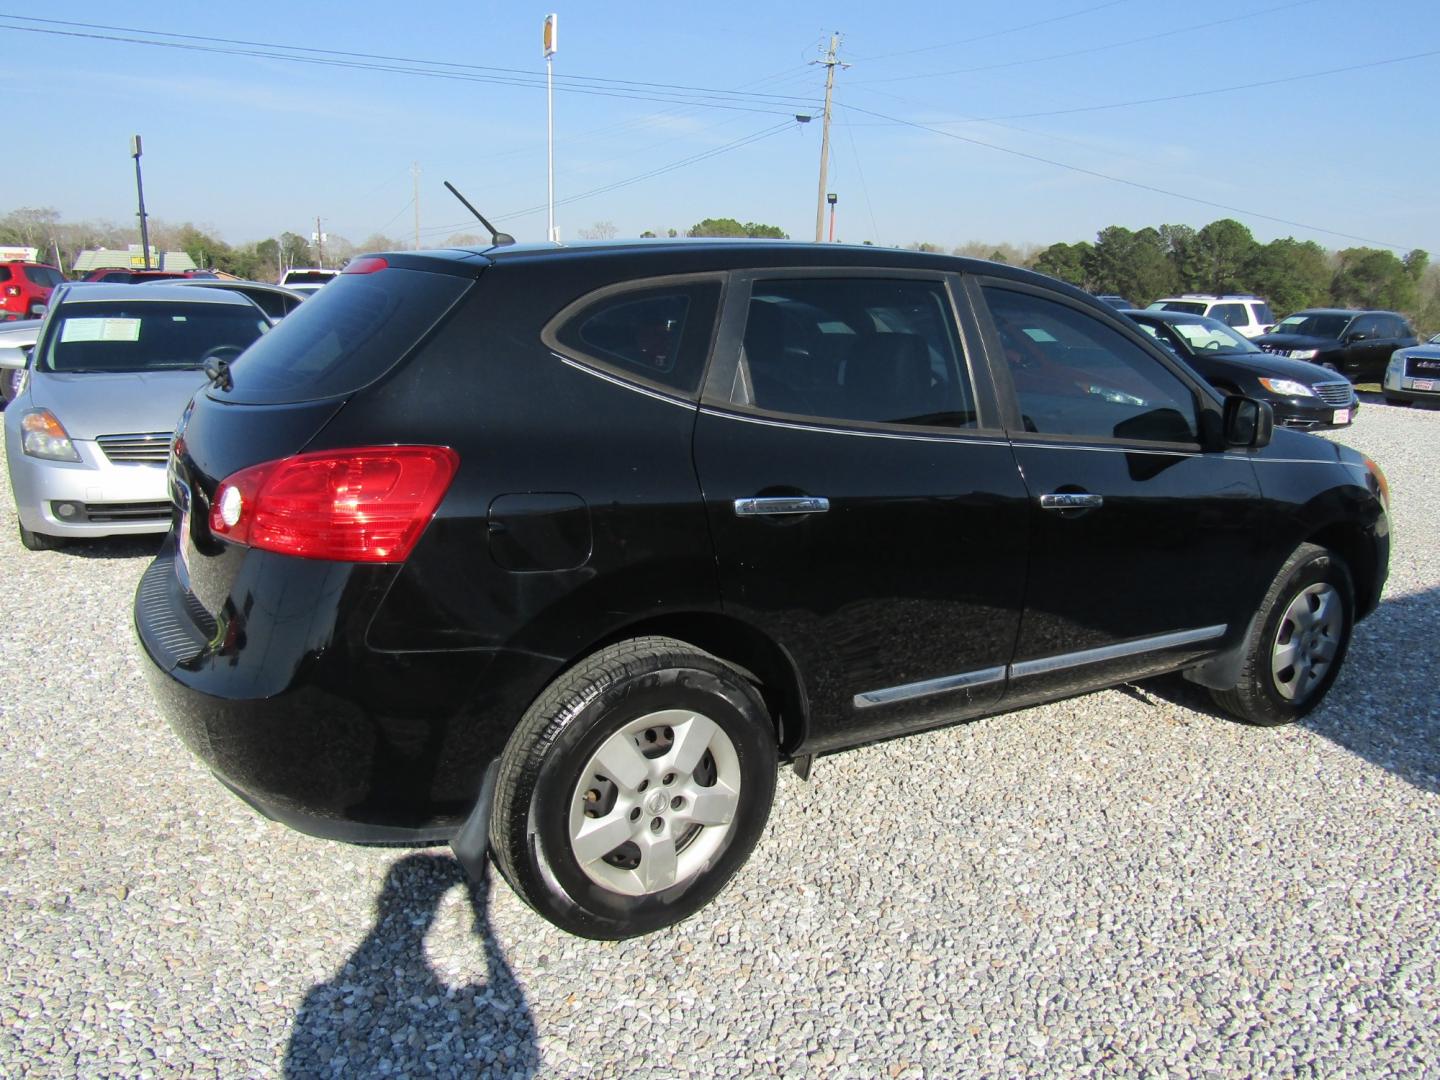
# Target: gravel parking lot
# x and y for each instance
(1123, 883)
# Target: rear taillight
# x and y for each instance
(363, 505)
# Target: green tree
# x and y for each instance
(295, 250)
(1183, 251)
(1291, 275)
(1068, 262)
(1133, 264)
(731, 227)
(1225, 250)
(1373, 278)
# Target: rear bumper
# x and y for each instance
(308, 725)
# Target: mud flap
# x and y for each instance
(471, 844)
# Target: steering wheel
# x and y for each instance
(226, 353)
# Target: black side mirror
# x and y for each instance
(1249, 423)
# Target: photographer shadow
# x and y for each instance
(388, 1011)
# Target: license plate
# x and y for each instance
(1422, 384)
(1342, 416)
(182, 540)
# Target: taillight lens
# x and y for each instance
(364, 505)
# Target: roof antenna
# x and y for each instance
(498, 238)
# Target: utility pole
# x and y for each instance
(831, 63)
(415, 174)
(135, 151)
(319, 243)
(552, 44)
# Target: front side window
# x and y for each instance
(1075, 376)
(661, 333)
(147, 336)
(870, 350)
(1367, 326)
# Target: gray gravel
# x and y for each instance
(1123, 883)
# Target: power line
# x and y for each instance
(382, 62)
(1121, 180)
(998, 33)
(1089, 50)
(1208, 93)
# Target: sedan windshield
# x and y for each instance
(147, 336)
(1321, 326)
(1212, 337)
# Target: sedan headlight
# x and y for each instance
(1287, 388)
(1303, 354)
(43, 436)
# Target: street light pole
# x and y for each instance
(552, 43)
(832, 199)
(135, 151)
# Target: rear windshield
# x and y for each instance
(345, 336)
(1187, 306)
(308, 277)
(44, 275)
(147, 335)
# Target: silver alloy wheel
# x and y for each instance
(654, 804)
(1306, 641)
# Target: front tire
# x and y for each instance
(33, 541)
(1297, 640)
(633, 789)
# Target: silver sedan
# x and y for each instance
(88, 436)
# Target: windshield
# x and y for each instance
(1212, 337)
(1321, 326)
(1190, 307)
(143, 335)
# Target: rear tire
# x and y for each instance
(633, 789)
(34, 541)
(1296, 642)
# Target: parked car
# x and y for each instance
(117, 276)
(1413, 374)
(1301, 394)
(1114, 300)
(1245, 313)
(16, 341)
(556, 552)
(89, 434)
(275, 300)
(25, 289)
(307, 279)
(1358, 344)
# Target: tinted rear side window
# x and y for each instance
(658, 333)
(345, 336)
(4, 273)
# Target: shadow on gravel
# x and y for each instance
(388, 1012)
(1387, 709)
(115, 547)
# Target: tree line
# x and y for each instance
(1141, 265)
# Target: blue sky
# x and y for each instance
(249, 145)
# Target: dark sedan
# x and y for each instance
(1302, 394)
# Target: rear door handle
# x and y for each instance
(1071, 500)
(783, 504)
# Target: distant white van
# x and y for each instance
(306, 279)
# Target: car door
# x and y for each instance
(1144, 546)
(865, 506)
(1367, 347)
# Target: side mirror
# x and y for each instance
(12, 359)
(1249, 423)
(37, 311)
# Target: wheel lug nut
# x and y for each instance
(676, 803)
(669, 778)
(642, 785)
(635, 814)
(657, 824)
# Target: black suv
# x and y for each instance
(555, 553)
(1357, 344)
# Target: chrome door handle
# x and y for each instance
(784, 504)
(1071, 500)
